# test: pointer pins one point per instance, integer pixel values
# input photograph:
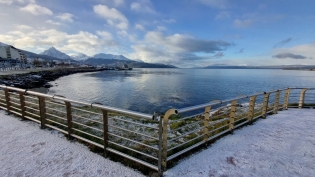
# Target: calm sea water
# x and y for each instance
(149, 90)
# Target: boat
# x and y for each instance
(124, 67)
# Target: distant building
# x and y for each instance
(10, 52)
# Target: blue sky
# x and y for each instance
(184, 33)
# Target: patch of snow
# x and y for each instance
(281, 145)
(80, 57)
(37, 76)
(27, 150)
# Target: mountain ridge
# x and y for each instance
(53, 52)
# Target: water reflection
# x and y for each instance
(149, 90)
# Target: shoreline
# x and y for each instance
(37, 79)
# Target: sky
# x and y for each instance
(183, 33)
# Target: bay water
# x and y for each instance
(149, 90)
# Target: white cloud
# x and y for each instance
(112, 15)
(115, 3)
(135, 6)
(65, 17)
(78, 42)
(223, 15)
(161, 28)
(243, 23)
(307, 50)
(122, 33)
(52, 22)
(122, 25)
(142, 6)
(220, 4)
(119, 2)
(24, 27)
(169, 20)
(36, 9)
(139, 27)
(104, 34)
(156, 47)
(26, 1)
(8, 2)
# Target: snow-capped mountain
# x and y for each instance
(110, 56)
(3, 44)
(80, 56)
(53, 52)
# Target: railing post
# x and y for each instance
(302, 96)
(251, 109)
(69, 118)
(265, 105)
(160, 147)
(286, 99)
(276, 106)
(232, 115)
(206, 124)
(105, 132)
(7, 98)
(165, 129)
(22, 102)
(42, 111)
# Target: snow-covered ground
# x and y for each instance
(282, 145)
(26, 150)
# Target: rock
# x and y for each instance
(48, 85)
(39, 79)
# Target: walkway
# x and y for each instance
(25, 71)
(282, 145)
(27, 150)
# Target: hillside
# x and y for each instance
(119, 63)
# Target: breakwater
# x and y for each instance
(40, 78)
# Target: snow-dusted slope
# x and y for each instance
(3, 44)
(53, 52)
(80, 56)
(281, 145)
(110, 56)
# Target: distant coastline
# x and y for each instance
(284, 67)
(39, 78)
(303, 69)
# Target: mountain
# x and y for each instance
(3, 44)
(110, 56)
(53, 52)
(34, 55)
(80, 57)
(133, 64)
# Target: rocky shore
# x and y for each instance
(41, 78)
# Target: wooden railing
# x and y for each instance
(149, 140)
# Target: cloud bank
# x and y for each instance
(158, 47)
(289, 55)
